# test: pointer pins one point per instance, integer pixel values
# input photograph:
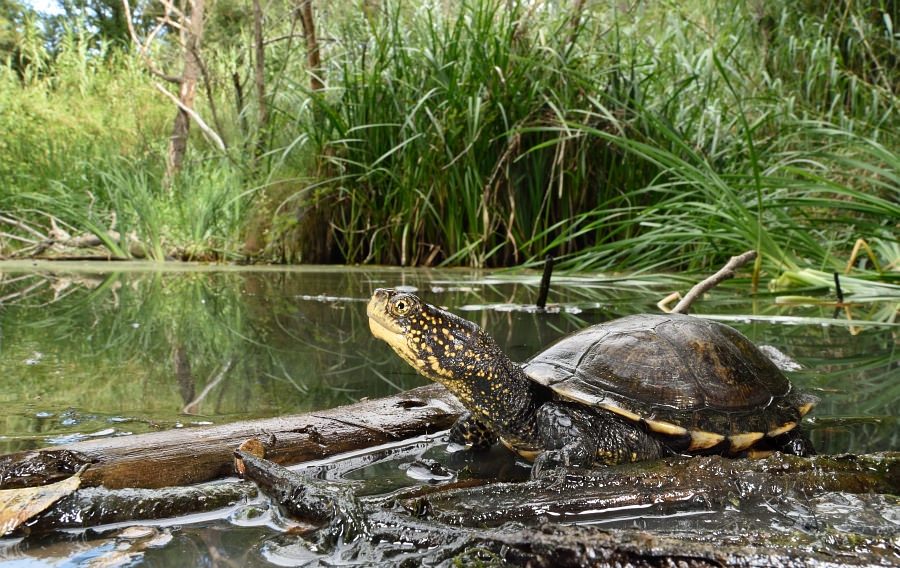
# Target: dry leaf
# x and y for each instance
(18, 506)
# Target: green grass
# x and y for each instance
(656, 139)
(667, 136)
(83, 149)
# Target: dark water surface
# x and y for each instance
(91, 350)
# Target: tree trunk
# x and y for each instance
(195, 455)
(191, 35)
(259, 69)
(313, 60)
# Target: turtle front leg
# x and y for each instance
(469, 431)
(573, 436)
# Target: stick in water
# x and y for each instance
(724, 273)
(545, 283)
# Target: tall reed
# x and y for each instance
(665, 137)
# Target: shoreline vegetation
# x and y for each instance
(631, 137)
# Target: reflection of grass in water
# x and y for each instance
(114, 348)
(290, 353)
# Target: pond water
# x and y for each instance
(90, 350)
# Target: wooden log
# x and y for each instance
(472, 525)
(720, 481)
(194, 455)
(94, 506)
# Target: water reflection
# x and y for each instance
(112, 350)
(106, 350)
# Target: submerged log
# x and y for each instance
(451, 524)
(563, 546)
(93, 506)
(194, 455)
(713, 481)
(455, 526)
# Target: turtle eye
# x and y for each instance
(401, 305)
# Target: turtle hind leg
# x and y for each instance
(469, 431)
(574, 436)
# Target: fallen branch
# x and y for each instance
(93, 506)
(22, 225)
(726, 272)
(715, 481)
(448, 526)
(58, 238)
(195, 455)
(210, 133)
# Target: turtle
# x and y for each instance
(636, 388)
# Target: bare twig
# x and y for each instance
(663, 304)
(144, 46)
(210, 133)
(724, 273)
(859, 245)
(18, 238)
(22, 225)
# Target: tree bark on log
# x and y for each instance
(195, 455)
(450, 526)
(714, 480)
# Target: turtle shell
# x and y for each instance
(680, 376)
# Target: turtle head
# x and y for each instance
(439, 345)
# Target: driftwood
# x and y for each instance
(58, 240)
(93, 506)
(196, 455)
(473, 524)
(706, 285)
(712, 480)
(506, 522)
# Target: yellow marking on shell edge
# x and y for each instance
(804, 409)
(666, 428)
(786, 427)
(740, 442)
(596, 401)
(529, 455)
(622, 412)
(701, 440)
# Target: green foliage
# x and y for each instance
(666, 136)
(12, 17)
(84, 144)
(485, 133)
